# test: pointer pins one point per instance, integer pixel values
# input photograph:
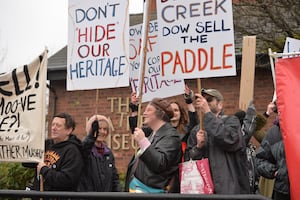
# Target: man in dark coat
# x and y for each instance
(271, 162)
(223, 145)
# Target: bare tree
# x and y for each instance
(270, 20)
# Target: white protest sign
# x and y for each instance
(196, 38)
(98, 48)
(154, 84)
(23, 112)
(291, 45)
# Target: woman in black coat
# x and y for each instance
(100, 173)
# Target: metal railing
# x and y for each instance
(17, 194)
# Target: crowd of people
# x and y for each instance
(168, 136)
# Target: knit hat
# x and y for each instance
(214, 93)
(165, 106)
(93, 118)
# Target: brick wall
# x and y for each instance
(114, 104)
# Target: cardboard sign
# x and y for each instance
(154, 84)
(23, 112)
(196, 38)
(98, 44)
(247, 72)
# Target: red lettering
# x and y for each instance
(201, 50)
(193, 59)
(212, 67)
(97, 33)
(110, 31)
(177, 62)
(165, 61)
(151, 41)
(225, 55)
(187, 61)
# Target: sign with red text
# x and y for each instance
(98, 49)
(196, 38)
(154, 84)
(23, 112)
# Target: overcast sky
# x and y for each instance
(28, 26)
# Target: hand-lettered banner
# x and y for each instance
(23, 115)
(154, 84)
(196, 38)
(98, 48)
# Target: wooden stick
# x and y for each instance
(143, 56)
(200, 114)
(41, 184)
(97, 101)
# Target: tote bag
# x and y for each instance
(195, 177)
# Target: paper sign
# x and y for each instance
(291, 45)
(23, 112)
(196, 38)
(154, 85)
(98, 44)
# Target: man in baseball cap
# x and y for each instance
(212, 92)
(224, 144)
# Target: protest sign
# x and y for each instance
(98, 46)
(291, 45)
(154, 84)
(196, 38)
(22, 109)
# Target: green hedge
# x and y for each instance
(13, 176)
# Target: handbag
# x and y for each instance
(136, 186)
(195, 177)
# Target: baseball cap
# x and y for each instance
(214, 93)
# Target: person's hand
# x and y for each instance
(200, 138)
(95, 128)
(201, 103)
(138, 135)
(39, 167)
(270, 108)
(188, 95)
(187, 90)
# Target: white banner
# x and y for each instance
(291, 45)
(98, 46)
(196, 38)
(154, 84)
(23, 112)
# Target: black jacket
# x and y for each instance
(159, 162)
(226, 151)
(99, 173)
(64, 164)
(271, 158)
